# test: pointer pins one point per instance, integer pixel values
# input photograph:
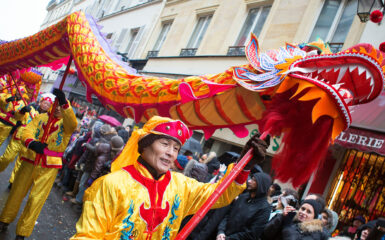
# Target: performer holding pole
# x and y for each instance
(39, 175)
(12, 112)
(46, 138)
(16, 146)
(141, 198)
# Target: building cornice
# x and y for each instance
(129, 9)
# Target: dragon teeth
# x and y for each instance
(361, 70)
(352, 68)
(337, 86)
(341, 73)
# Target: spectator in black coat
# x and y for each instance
(303, 225)
(378, 232)
(249, 213)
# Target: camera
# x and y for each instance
(288, 200)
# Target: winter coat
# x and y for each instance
(88, 157)
(77, 150)
(207, 228)
(196, 170)
(280, 228)
(248, 216)
(103, 154)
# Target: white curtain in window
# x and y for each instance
(253, 24)
(199, 31)
(162, 36)
(334, 21)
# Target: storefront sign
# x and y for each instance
(362, 140)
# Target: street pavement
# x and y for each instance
(57, 219)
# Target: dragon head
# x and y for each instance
(353, 76)
(311, 89)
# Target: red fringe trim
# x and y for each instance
(304, 143)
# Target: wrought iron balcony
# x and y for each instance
(152, 54)
(236, 51)
(188, 51)
(336, 46)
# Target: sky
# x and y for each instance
(21, 18)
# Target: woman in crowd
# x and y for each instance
(301, 225)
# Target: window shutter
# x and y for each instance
(120, 39)
(135, 43)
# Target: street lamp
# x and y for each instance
(365, 8)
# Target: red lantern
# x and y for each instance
(382, 47)
(376, 16)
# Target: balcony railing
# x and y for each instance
(152, 54)
(188, 52)
(236, 51)
(336, 46)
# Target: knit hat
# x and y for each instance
(360, 218)
(105, 129)
(316, 206)
(181, 162)
(116, 143)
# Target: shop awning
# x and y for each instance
(362, 140)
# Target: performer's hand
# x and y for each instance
(61, 97)
(37, 146)
(25, 109)
(11, 99)
(221, 236)
(259, 147)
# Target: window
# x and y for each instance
(334, 21)
(162, 36)
(133, 42)
(134, 33)
(253, 24)
(109, 36)
(199, 31)
(119, 40)
(122, 4)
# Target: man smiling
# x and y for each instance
(141, 198)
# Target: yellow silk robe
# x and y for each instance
(57, 140)
(130, 204)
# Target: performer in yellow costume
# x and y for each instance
(38, 171)
(141, 198)
(12, 112)
(16, 146)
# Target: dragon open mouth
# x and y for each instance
(351, 77)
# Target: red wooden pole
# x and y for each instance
(217, 193)
(50, 118)
(214, 197)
